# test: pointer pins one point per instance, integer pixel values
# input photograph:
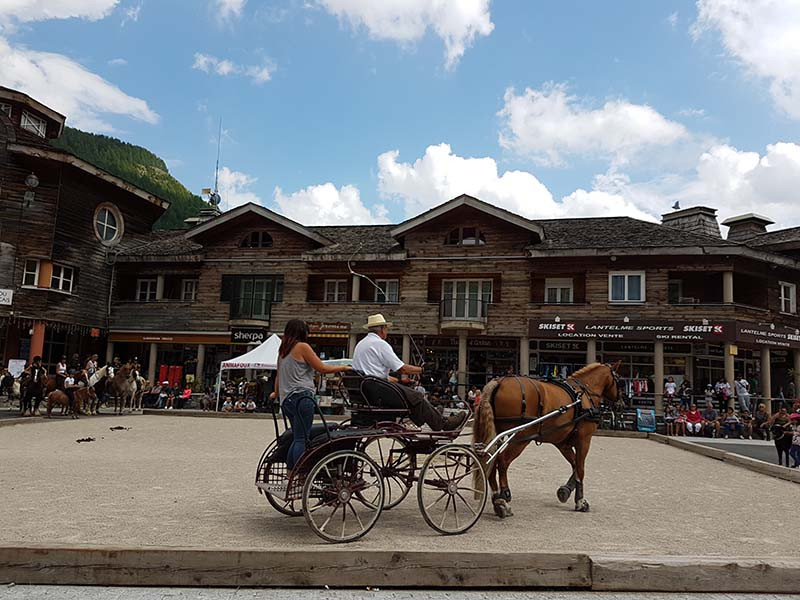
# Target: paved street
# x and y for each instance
(758, 449)
(187, 481)
(100, 593)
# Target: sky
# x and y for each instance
(367, 111)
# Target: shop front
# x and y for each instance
(329, 340)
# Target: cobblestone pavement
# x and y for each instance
(99, 593)
(189, 482)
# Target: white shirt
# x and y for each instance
(69, 382)
(375, 357)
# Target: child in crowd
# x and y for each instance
(794, 451)
(670, 389)
(747, 424)
(239, 405)
(680, 421)
(227, 406)
(670, 415)
(732, 423)
(251, 406)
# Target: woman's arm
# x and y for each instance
(308, 355)
(276, 390)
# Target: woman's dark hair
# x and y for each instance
(296, 331)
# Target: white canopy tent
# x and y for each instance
(264, 356)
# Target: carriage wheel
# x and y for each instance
(276, 472)
(397, 467)
(343, 496)
(448, 499)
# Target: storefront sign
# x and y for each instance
(668, 331)
(772, 335)
(6, 297)
(492, 343)
(248, 335)
(16, 366)
(563, 346)
(316, 326)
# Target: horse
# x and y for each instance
(136, 401)
(510, 401)
(122, 386)
(100, 381)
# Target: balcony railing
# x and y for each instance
(248, 307)
(467, 311)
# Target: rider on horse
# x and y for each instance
(34, 389)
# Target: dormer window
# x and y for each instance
(465, 236)
(33, 124)
(5, 109)
(257, 239)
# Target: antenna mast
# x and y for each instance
(213, 197)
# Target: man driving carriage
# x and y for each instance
(374, 357)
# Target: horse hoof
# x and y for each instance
(505, 494)
(582, 505)
(501, 509)
(563, 494)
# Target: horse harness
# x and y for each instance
(592, 413)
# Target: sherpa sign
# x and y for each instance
(248, 335)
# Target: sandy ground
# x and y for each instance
(189, 482)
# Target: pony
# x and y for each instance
(122, 387)
(79, 398)
(510, 401)
(100, 381)
(139, 385)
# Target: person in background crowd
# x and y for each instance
(61, 367)
(35, 389)
(790, 390)
(6, 383)
(165, 396)
(74, 362)
(294, 384)
(723, 392)
(761, 422)
(711, 421)
(207, 401)
(473, 391)
(670, 414)
(685, 394)
(91, 365)
(780, 425)
(680, 421)
(69, 388)
(420, 389)
(227, 406)
(694, 420)
(239, 405)
(794, 451)
(708, 394)
(742, 387)
(251, 406)
(732, 423)
(747, 424)
(670, 389)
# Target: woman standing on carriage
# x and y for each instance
(294, 384)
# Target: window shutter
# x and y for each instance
(228, 287)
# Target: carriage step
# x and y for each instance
(273, 488)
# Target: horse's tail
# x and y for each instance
(483, 429)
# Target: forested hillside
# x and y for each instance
(136, 165)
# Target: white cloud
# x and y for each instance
(40, 10)
(131, 13)
(672, 19)
(456, 22)
(234, 188)
(328, 205)
(228, 10)
(66, 86)
(692, 112)
(441, 175)
(548, 125)
(224, 67)
(118, 62)
(764, 36)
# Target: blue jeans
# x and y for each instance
(299, 408)
(794, 452)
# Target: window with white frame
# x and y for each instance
(466, 298)
(788, 297)
(62, 278)
(626, 286)
(189, 292)
(387, 290)
(6, 109)
(146, 290)
(33, 124)
(108, 224)
(30, 274)
(336, 290)
(558, 290)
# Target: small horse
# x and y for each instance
(101, 382)
(60, 398)
(122, 387)
(511, 401)
(139, 385)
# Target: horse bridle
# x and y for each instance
(605, 401)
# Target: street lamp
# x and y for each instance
(31, 182)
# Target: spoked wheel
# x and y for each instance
(343, 496)
(397, 467)
(449, 500)
(275, 474)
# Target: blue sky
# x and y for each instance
(354, 111)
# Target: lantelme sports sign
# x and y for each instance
(667, 331)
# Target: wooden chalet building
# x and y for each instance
(62, 223)
(476, 289)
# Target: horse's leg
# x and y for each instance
(582, 441)
(565, 491)
(510, 454)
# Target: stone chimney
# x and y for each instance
(745, 227)
(697, 219)
(206, 214)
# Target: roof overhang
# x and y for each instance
(250, 207)
(392, 256)
(15, 96)
(74, 161)
(466, 200)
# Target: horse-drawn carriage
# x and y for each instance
(353, 470)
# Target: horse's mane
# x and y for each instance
(585, 370)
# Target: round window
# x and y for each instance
(108, 224)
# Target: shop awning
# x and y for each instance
(263, 356)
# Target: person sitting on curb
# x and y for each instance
(794, 451)
(732, 423)
(680, 421)
(711, 421)
(227, 406)
(694, 421)
(761, 422)
(747, 424)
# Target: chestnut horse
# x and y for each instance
(511, 401)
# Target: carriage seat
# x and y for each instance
(372, 399)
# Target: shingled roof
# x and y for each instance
(165, 243)
(356, 239)
(618, 232)
(780, 236)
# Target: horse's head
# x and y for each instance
(611, 391)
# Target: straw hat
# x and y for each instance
(376, 321)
